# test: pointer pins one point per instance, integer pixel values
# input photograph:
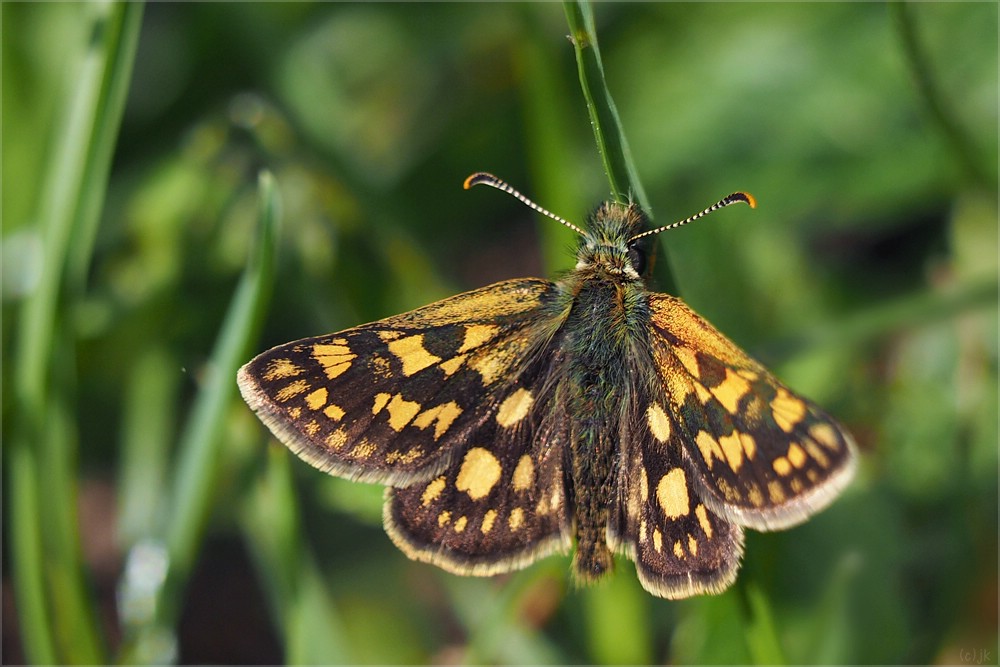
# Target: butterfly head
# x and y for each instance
(613, 244)
(607, 246)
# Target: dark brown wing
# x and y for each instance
(680, 546)
(501, 504)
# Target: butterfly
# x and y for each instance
(523, 418)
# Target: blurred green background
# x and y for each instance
(866, 278)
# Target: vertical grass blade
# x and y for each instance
(159, 566)
(58, 623)
(198, 464)
(608, 131)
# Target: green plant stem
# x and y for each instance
(197, 468)
(58, 623)
(608, 131)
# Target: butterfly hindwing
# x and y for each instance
(679, 545)
(394, 401)
(763, 456)
(501, 503)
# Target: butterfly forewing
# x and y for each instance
(763, 456)
(394, 400)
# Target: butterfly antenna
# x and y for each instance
(482, 178)
(735, 198)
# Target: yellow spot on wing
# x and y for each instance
(334, 412)
(702, 515)
(796, 456)
(788, 410)
(336, 439)
(678, 549)
(432, 491)
(688, 358)
(401, 412)
(672, 494)
(749, 445)
(659, 424)
(476, 335)
(490, 366)
(692, 545)
(460, 524)
(380, 366)
(781, 466)
(515, 407)
(444, 517)
(404, 457)
(825, 435)
(643, 485)
(334, 357)
(709, 448)
(380, 402)
(444, 415)
(516, 519)
(731, 390)
(488, 519)
(817, 454)
(316, 399)
(733, 450)
(279, 369)
(479, 473)
(363, 449)
(678, 381)
(524, 474)
(775, 491)
(657, 540)
(412, 354)
(291, 390)
(452, 365)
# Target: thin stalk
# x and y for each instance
(198, 466)
(58, 623)
(608, 130)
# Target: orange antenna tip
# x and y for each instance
(744, 197)
(482, 178)
(479, 177)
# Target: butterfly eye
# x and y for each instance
(637, 257)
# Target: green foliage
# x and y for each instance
(867, 278)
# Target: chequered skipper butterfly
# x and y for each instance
(511, 421)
